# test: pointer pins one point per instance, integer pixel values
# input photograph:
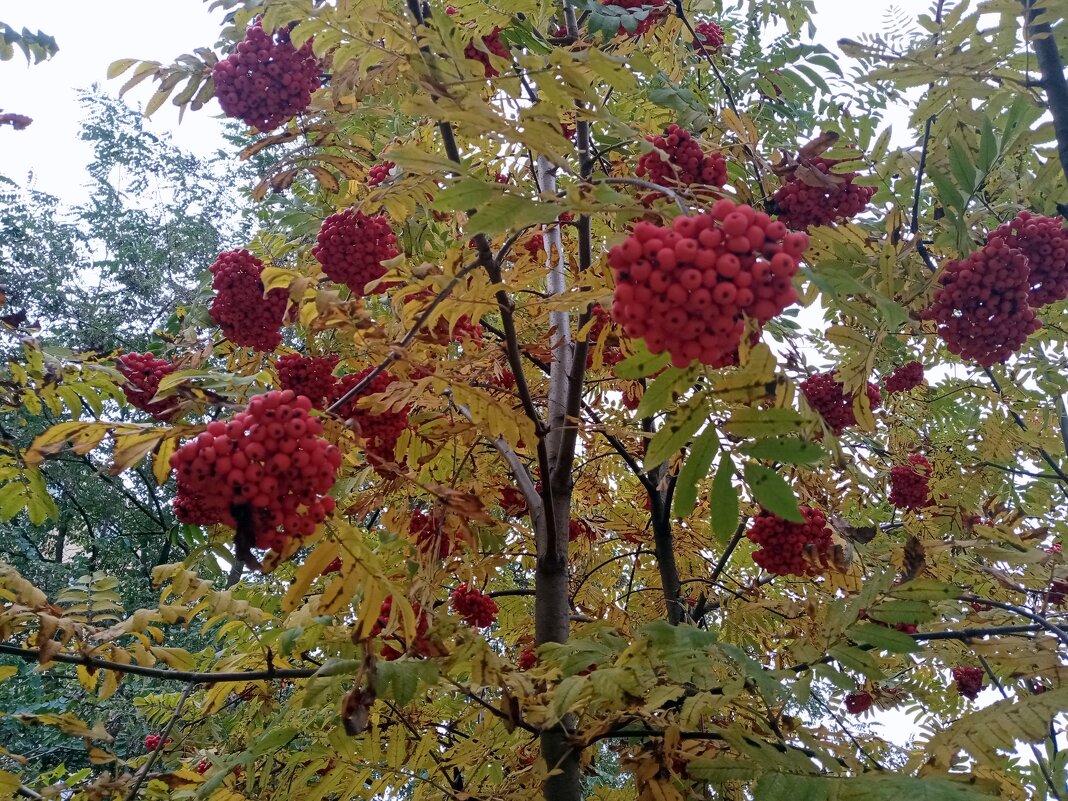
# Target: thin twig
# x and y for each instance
(163, 737)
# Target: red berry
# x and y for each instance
(246, 315)
(143, 372)
(906, 377)
(380, 430)
(310, 376)
(266, 81)
(492, 42)
(419, 646)
(982, 306)
(658, 299)
(787, 548)
(580, 529)
(814, 195)
(826, 396)
(527, 659)
(431, 536)
(379, 173)
(657, 12)
(475, 608)
(909, 483)
(858, 703)
(687, 163)
(351, 247)
(333, 567)
(969, 680)
(202, 766)
(1044, 241)
(709, 36)
(277, 485)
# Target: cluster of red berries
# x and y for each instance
(420, 646)
(787, 548)
(351, 247)
(858, 703)
(266, 81)
(835, 406)
(535, 245)
(969, 680)
(686, 289)
(612, 354)
(527, 659)
(580, 530)
(143, 372)
(153, 741)
(982, 307)
(908, 376)
(246, 315)
(909, 483)
(1044, 241)
(266, 469)
(379, 173)
(687, 163)
(512, 502)
(310, 376)
(463, 329)
(709, 36)
(476, 608)
(657, 13)
(828, 198)
(430, 535)
(202, 766)
(492, 42)
(381, 430)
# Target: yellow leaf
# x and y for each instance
(161, 459)
(86, 679)
(132, 448)
(307, 573)
(9, 784)
(7, 671)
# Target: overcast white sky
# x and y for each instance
(93, 34)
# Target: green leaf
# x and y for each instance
(883, 638)
(790, 450)
(868, 787)
(698, 463)
(901, 612)
(772, 492)
(399, 680)
(468, 193)
(657, 395)
(642, 364)
(947, 192)
(925, 590)
(724, 501)
(414, 159)
(677, 430)
(749, 422)
(960, 162)
(510, 212)
(988, 146)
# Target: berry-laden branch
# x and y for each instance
(680, 12)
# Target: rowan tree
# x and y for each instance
(514, 548)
